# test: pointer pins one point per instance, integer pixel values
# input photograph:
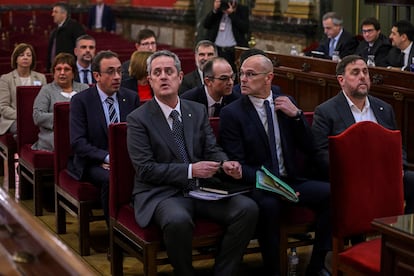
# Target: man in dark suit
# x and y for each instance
(337, 38)
(375, 43)
(351, 105)
(101, 17)
(63, 38)
(249, 137)
(228, 26)
(91, 111)
(402, 36)
(85, 52)
(217, 90)
(204, 51)
(171, 146)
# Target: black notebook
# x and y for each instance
(215, 185)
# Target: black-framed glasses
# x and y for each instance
(368, 31)
(113, 71)
(224, 77)
(146, 44)
(251, 74)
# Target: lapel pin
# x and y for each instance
(381, 108)
(123, 100)
(189, 114)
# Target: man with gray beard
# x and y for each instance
(353, 104)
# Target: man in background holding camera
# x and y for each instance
(228, 26)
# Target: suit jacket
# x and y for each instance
(108, 18)
(76, 78)
(380, 50)
(65, 39)
(395, 58)
(198, 94)
(240, 25)
(333, 117)
(243, 138)
(160, 170)
(346, 45)
(89, 130)
(8, 84)
(190, 81)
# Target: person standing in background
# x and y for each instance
(101, 18)
(63, 38)
(85, 52)
(228, 26)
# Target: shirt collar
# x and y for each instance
(351, 104)
(166, 110)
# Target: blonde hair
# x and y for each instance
(138, 65)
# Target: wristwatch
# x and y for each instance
(298, 114)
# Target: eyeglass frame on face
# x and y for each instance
(251, 74)
(147, 44)
(112, 71)
(224, 77)
(367, 31)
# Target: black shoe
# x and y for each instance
(314, 272)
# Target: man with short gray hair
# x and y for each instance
(337, 39)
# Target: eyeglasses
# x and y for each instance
(368, 31)
(113, 71)
(250, 74)
(146, 44)
(224, 78)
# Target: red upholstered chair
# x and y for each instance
(35, 166)
(78, 198)
(8, 147)
(366, 183)
(125, 233)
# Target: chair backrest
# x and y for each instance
(61, 137)
(309, 117)
(26, 129)
(215, 125)
(366, 177)
(122, 172)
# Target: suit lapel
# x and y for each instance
(160, 124)
(344, 111)
(188, 122)
(254, 117)
(96, 104)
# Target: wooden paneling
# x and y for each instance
(312, 81)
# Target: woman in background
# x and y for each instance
(138, 73)
(61, 89)
(23, 62)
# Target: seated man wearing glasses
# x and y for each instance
(146, 42)
(375, 43)
(91, 112)
(217, 89)
(263, 128)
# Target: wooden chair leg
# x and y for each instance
(60, 216)
(83, 217)
(37, 193)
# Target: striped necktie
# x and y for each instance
(113, 117)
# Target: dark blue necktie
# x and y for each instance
(85, 75)
(217, 107)
(178, 133)
(113, 117)
(272, 138)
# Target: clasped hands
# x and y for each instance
(206, 169)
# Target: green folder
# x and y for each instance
(265, 180)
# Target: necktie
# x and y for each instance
(272, 138)
(85, 76)
(178, 133)
(402, 60)
(113, 117)
(331, 46)
(217, 107)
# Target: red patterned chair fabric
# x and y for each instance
(366, 183)
(78, 198)
(35, 166)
